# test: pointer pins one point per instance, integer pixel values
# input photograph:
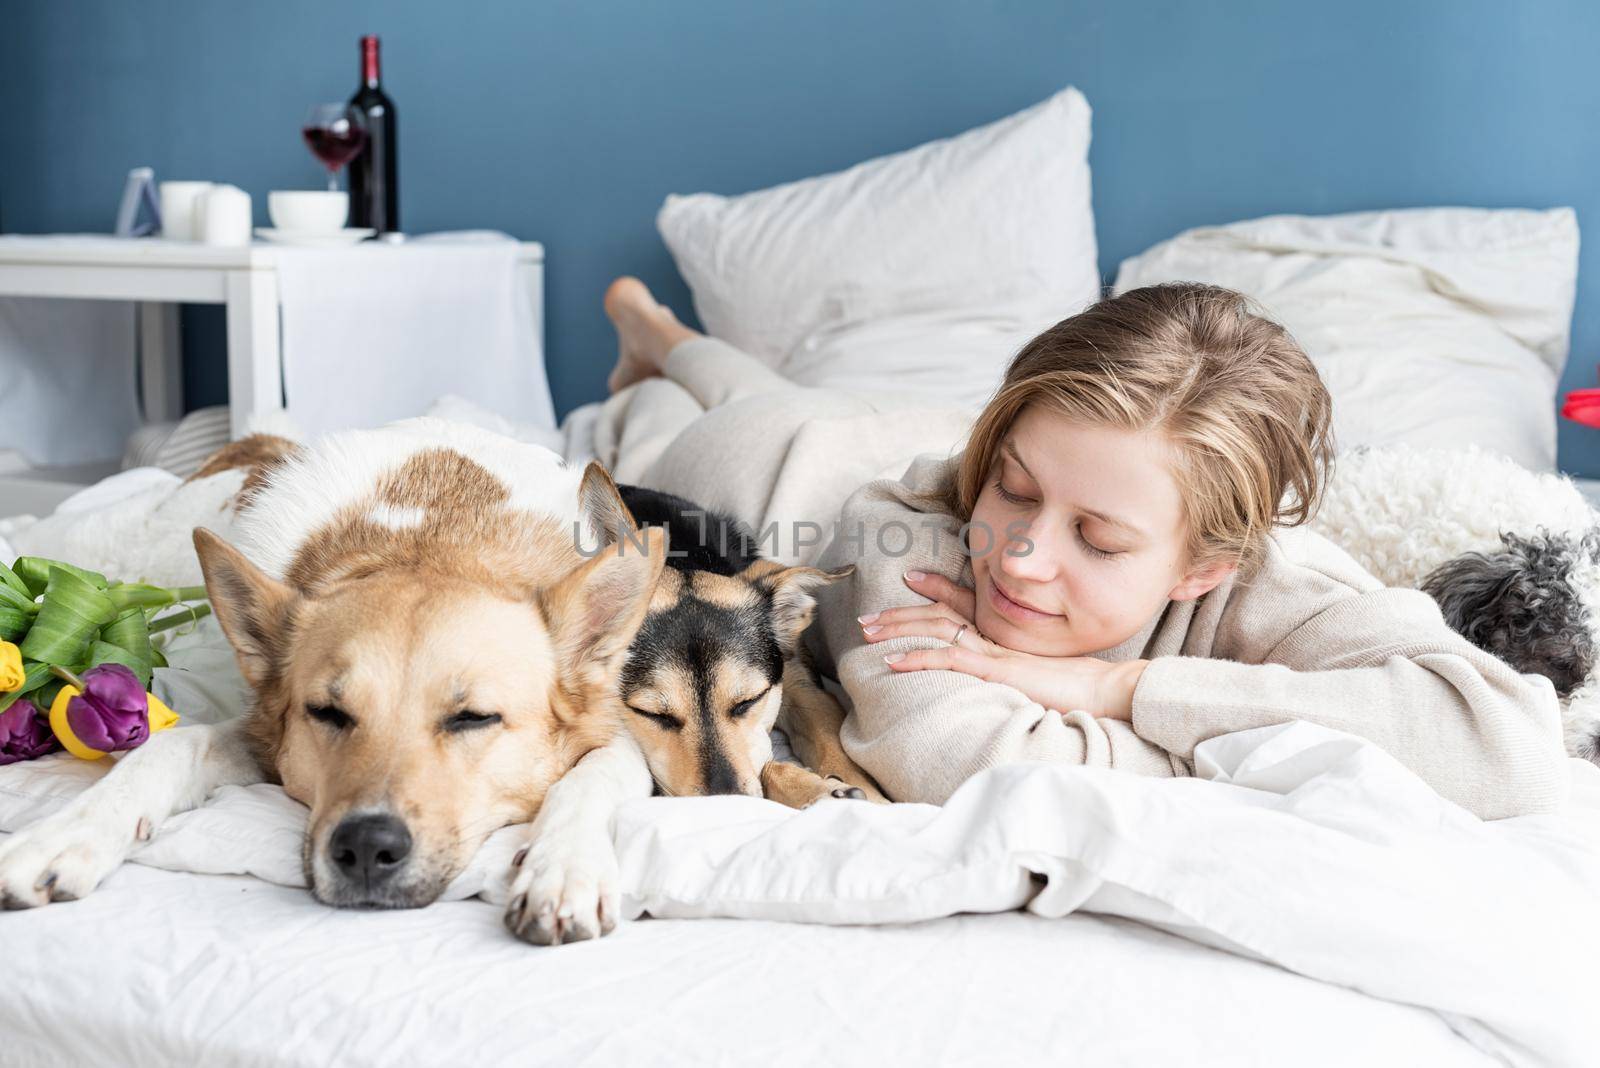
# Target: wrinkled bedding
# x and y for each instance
(160, 968)
(1302, 848)
(1306, 900)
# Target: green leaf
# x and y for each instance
(105, 653)
(10, 578)
(21, 602)
(130, 633)
(13, 624)
(34, 571)
(72, 611)
(45, 696)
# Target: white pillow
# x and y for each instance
(920, 272)
(1440, 327)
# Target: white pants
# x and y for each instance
(726, 431)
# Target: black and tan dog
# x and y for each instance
(718, 660)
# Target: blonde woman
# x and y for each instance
(1109, 573)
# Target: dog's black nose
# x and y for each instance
(370, 848)
(720, 778)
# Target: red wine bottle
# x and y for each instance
(374, 188)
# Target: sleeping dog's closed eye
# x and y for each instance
(660, 719)
(468, 720)
(336, 718)
(747, 704)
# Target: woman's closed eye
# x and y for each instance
(1088, 546)
(1094, 550)
(1008, 496)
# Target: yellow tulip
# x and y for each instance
(11, 675)
(161, 717)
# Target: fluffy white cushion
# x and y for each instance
(1401, 512)
(1432, 327)
(920, 272)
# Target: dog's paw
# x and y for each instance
(63, 857)
(835, 787)
(798, 787)
(838, 788)
(564, 889)
(874, 795)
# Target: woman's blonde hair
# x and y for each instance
(1238, 401)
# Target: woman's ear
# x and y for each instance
(1202, 580)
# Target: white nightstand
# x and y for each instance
(160, 275)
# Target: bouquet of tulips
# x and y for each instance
(76, 657)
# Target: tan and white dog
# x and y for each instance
(433, 657)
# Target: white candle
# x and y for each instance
(177, 208)
(222, 216)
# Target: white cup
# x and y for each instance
(308, 211)
(222, 216)
(177, 208)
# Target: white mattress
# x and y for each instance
(160, 968)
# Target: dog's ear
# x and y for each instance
(792, 603)
(601, 506)
(596, 610)
(255, 610)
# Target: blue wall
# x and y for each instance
(567, 121)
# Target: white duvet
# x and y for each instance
(1300, 847)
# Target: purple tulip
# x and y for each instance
(112, 713)
(24, 734)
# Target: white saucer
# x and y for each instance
(348, 236)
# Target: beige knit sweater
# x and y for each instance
(1309, 636)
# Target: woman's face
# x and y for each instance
(1088, 538)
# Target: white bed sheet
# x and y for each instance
(162, 968)
(1303, 848)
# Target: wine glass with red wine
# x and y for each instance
(336, 133)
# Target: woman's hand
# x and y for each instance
(1064, 683)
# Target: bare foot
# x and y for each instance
(646, 332)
